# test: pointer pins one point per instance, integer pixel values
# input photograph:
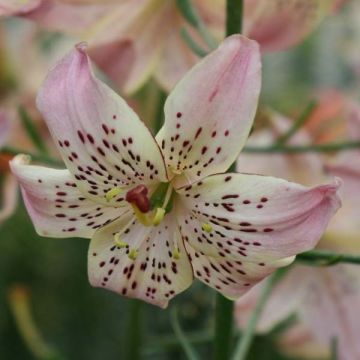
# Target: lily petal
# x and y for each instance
(146, 268)
(277, 24)
(209, 113)
(256, 224)
(55, 204)
(17, 7)
(100, 138)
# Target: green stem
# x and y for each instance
(245, 340)
(224, 313)
(29, 126)
(234, 15)
(321, 257)
(194, 46)
(224, 310)
(298, 123)
(36, 157)
(330, 147)
(183, 340)
(133, 333)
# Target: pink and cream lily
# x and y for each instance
(133, 40)
(162, 211)
(322, 299)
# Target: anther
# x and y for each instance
(207, 227)
(112, 193)
(176, 254)
(133, 254)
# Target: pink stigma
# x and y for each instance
(138, 196)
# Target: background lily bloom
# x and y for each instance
(132, 40)
(321, 298)
(162, 212)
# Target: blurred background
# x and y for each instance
(44, 290)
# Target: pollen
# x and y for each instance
(176, 254)
(207, 227)
(133, 254)
(112, 193)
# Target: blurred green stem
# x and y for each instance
(224, 312)
(225, 308)
(134, 332)
(234, 15)
(183, 340)
(327, 258)
(19, 301)
(330, 147)
(298, 123)
(245, 340)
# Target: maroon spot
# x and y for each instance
(246, 202)
(114, 117)
(179, 115)
(268, 230)
(91, 139)
(102, 264)
(259, 206)
(264, 199)
(228, 178)
(81, 136)
(226, 133)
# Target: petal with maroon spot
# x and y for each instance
(209, 113)
(253, 220)
(277, 25)
(156, 275)
(101, 139)
(55, 204)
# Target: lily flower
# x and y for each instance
(321, 299)
(162, 211)
(133, 40)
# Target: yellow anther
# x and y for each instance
(176, 254)
(118, 242)
(159, 216)
(112, 193)
(133, 254)
(207, 227)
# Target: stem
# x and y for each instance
(330, 147)
(298, 123)
(224, 313)
(224, 310)
(234, 14)
(134, 333)
(36, 157)
(29, 126)
(19, 301)
(183, 340)
(245, 340)
(327, 258)
(195, 47)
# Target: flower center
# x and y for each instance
(150, 211)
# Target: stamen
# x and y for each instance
(143, 218)
(133, 254)
(112, 193)
(159, 216)
(118, 242)
(207, 227)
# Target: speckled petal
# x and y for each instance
(253, 224)
(278, 24)
(55, 205)
(209, 113)
(102, 141)
(155, 275)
